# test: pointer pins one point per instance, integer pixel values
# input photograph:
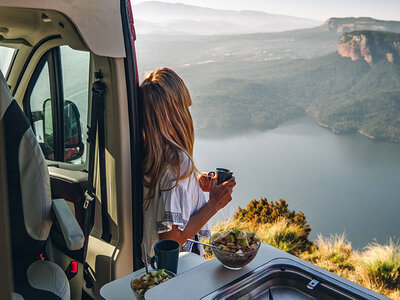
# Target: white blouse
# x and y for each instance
(173, 207)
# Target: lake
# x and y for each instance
(342, 183)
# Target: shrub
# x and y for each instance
(269, 212)
(263, 211)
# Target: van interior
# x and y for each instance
(47, 94)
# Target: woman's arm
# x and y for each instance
(220, 196)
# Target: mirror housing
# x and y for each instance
(73, 145)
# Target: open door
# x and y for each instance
(132, 82)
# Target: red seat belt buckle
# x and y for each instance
(72, 269)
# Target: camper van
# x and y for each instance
(71, 186)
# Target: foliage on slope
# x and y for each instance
(348, 96)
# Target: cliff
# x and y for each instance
(371, 46)
(342, 25)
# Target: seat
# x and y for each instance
(31, 209)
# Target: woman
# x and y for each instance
(174, 204)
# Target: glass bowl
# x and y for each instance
(234, 261)
(143, 272)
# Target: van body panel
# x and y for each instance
(98, 22)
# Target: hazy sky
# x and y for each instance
(314, 9)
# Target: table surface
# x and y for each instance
(120, 289)
(210, 276)
(203, 277)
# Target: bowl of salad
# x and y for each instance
(143, 282)
(237, 248)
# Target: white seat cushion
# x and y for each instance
(47, 276)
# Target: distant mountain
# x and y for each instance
(341, 25)
(178, 18)
(257, 81)
(187, 27)
(182, 51)
(343, 95)
(371, 46)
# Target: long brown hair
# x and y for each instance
(167, 128)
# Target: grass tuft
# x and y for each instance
(379, 265)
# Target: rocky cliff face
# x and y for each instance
(342, 25)
(371, 46)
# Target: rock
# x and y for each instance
(371, 46)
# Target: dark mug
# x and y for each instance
(223, 175)
(166, 255)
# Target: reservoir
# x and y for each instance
(342, 183)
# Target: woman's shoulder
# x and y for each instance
(170, 172)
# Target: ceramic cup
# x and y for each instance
(223, 175)
(166, 255)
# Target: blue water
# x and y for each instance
(343, 183)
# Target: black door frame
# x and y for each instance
(132, 84)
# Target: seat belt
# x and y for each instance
(96, 128)
(98, 91)
(97, 125)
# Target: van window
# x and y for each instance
(60, 92)
(75, 71)
(6, 55)
(39, 95)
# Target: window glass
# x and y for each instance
(6, 55)
(41, 111)
(75, 75)
(75, 70)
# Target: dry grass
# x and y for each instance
(332, 253)
(376, 267)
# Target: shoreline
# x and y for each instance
(358, 131)
(221, 134)
(367, 135)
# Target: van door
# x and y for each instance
(59, 47)
(132, 80)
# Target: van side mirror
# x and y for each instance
(73, 145)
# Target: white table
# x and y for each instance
(202, 277)
(120, 289)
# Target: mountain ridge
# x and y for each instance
(348, 24)
(159, 14)
(154, 4)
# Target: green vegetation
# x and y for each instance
(250, 82)
(379, 36)
(376, 267)
(347, 96)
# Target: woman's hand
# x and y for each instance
(204, 181)
(220, 195)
